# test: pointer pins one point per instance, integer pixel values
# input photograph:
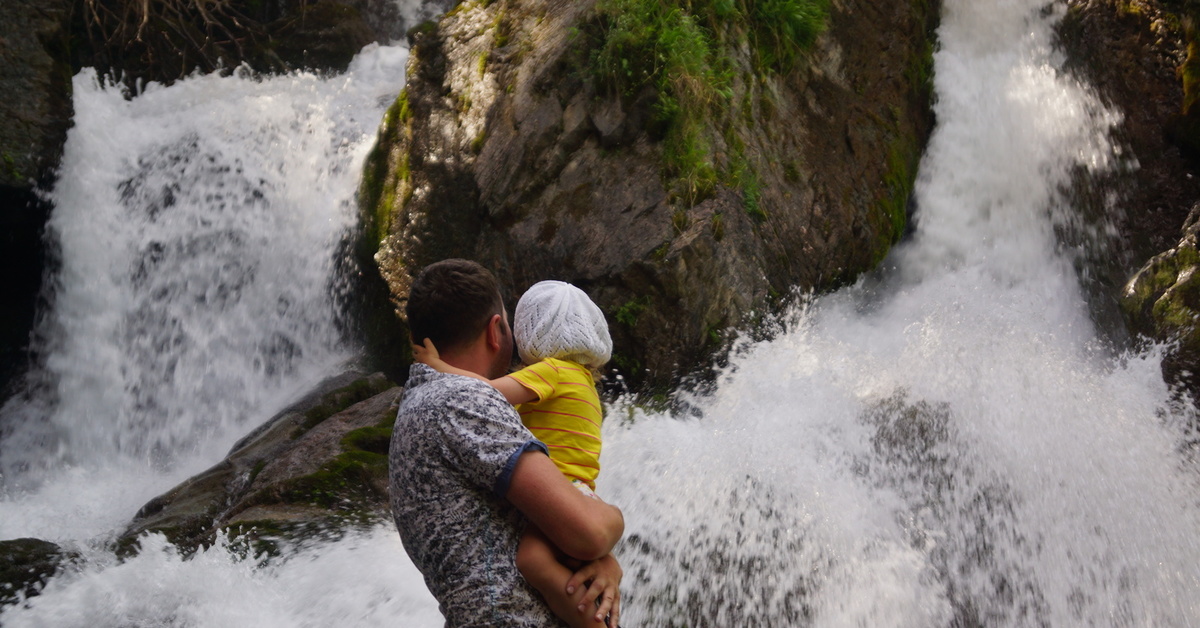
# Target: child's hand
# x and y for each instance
(600, 583)
(426, 353)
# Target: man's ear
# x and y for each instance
(494, 332)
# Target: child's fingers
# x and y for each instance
(598, 591)
(610, 605)
(578, 580)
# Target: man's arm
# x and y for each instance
(580, 526)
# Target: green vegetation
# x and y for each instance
(342, 398)
(629, 313)
(11, 165)
(378, 189)
(688, 53)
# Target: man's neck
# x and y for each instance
(473, 361)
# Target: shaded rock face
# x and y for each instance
(164, 41)
(170, 39)
(35, 114)
(316, 468)
(35, 76)
(502, 150)
(1132, 59)
(1133, 54)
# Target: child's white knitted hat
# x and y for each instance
(557, 320)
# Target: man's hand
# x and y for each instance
(598, 582)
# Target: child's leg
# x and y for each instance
(537, 560)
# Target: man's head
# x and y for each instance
(455, 303)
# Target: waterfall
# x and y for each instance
(198, 228)
(950, 443)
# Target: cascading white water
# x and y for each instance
(199, 227)
(951, 445)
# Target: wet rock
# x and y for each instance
(1162, 302)
(322, 36)
(316, 468)
(26, 565)
(165, 41)
(35, 77)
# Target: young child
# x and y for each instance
(563, 340)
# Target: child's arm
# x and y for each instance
(573, 600)
(512, 390)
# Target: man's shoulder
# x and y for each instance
(426, 384)
(453, 403)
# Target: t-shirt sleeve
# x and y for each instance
(484, 436)
(541, 378)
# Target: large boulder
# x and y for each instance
(315, 469)
(684, 202)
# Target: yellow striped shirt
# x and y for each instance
(566, 415)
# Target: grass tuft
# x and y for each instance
(685, 52)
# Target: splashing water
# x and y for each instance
(950, 445)
(954, 448)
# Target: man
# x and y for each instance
(466, 476)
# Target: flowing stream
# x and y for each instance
(948, 443)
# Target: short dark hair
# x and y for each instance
(451, 301)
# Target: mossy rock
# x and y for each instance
(1162, 302)
(26, 565)
(680, 196)
(324, 458)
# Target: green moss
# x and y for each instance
(377, 192)
(258, 467)
(899, 179)
(791, 171)
(717, 225)
(627, 364)
(336, 401)
(679, 221)
(427, 27)
(685, 51)
(10, 164)
(629, 313)
(477, 143)
(503, 30)
(712, 334)
(400, 111)
(345, 483)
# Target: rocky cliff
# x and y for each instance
(1141, 57)
(687, 170)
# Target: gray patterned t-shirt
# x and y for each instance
(453, 451)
